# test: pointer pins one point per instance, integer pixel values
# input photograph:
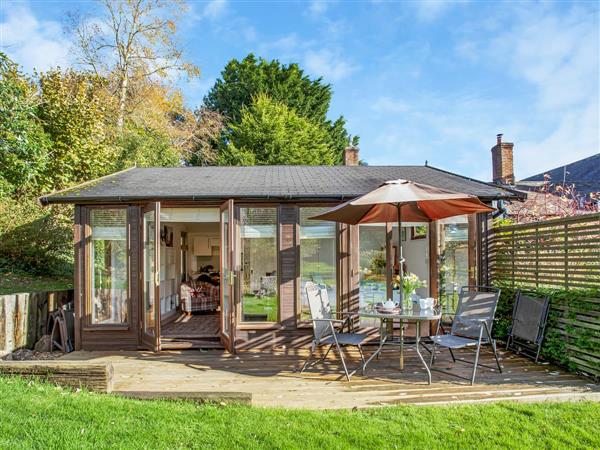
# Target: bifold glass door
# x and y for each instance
(150, 332)
(227, 270)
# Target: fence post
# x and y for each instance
(512, 255)
(537, 256)
(566, 248)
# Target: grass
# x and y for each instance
(38, 415)
(13, 282)
(266, 304)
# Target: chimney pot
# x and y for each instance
(351, 156)
(502, 162)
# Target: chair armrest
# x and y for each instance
(329, 320)
(472, 321)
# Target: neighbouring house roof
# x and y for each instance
(583, 174)
(265, 182)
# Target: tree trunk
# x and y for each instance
(122, 102)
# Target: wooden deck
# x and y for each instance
(272, 378)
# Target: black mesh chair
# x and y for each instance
(526, 334)
(471, 327)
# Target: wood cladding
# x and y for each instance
(287, 332)
(288, 257)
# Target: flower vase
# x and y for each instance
(407, 302)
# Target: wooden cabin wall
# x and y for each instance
(107, 337)
(288, 332)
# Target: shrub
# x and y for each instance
(35, 239)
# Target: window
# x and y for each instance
(453, 260)
(258, 234)
(317, 257)
(372, 263)
(109, 267)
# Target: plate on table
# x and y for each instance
(383, 309)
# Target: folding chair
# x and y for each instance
(526, 333)
(324, 328)
(471, 327)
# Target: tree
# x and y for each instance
(145, 148)
(77, 114)
(133, 42)
(270, 132)
(241, 81)
(202, 148)
(23, 143)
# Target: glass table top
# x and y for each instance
(415, 313)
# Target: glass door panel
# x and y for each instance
(150, 278)
(227, 275)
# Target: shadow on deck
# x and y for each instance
(272, 378)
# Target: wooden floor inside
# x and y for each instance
(273, 379)
(199, 325)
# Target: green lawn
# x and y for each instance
(266, 304)
(34, 415)
(12, 282)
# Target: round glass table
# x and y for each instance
(386, 328)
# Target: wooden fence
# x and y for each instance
(560, 257)
(559, 253)
(24, 317)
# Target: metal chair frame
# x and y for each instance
(329, 331)
(481, 324)
(531, 349)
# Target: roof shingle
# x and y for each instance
(262, 182)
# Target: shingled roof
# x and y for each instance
(264, 182)
(584, 174)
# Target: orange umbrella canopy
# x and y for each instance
(418, 203)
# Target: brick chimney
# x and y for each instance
(502, 162)
(351, 156)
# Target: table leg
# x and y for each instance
(401, 344)
(417, 339)
(383, 338)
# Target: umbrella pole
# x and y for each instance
(401, 269)
(400, 259)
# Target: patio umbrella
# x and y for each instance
(398, 200)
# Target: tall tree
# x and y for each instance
(134, 41)
(23, 143)
(77, 115)
(269, 132)
(241, 81)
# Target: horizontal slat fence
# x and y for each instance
(559, 258)
(560, 253)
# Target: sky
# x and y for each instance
(417, 81)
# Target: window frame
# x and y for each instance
(238, 299)
(298, 300)
(88, 325)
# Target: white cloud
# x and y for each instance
(34, 44)
(389, 105)
(318, 7)
(558, 55)
(195, 90)
(430, 10)
(328, 64)
(575, 137)
(215, 9)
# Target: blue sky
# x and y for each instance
(416, 81)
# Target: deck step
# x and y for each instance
(190, 344)
(192, 337)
